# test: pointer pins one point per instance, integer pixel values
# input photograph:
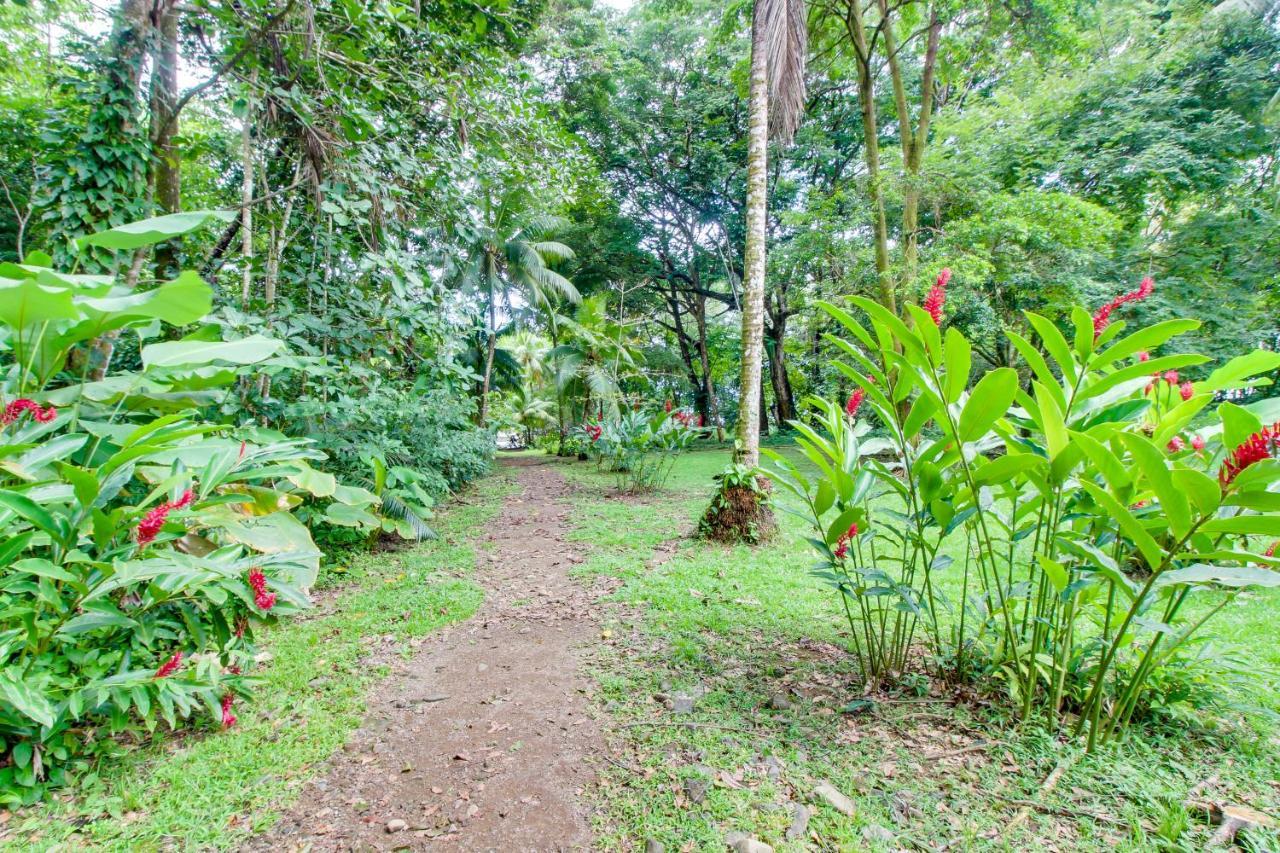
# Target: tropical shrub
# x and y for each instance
(641, 447)
(1065, 532)
(139, 544)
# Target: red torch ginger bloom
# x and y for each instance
(1257, 447)
(1176, 444)
(1186, 390)
(842, 544)
(14, 410)
(228, 718)
(264, 598)
(937, 296)
(170, 666)
(1102, 318)
(854, 401)
(1197, 443)
(151, 523)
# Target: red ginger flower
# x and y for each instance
(151, 523)
(842, 544)
(1197, 443)
(1187, 390)
(1176, 444)
(667, 406)
(854, 401)
(1143, 355)
(1257, 447)
(1102, 318)
(14, 410)
(228, 718)
(1271, 549)
(1171, 376)
(170, 666)
(264, 598)
(937, 296)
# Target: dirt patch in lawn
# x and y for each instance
(484, 740)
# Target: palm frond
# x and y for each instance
(395, 508)
(787, 38)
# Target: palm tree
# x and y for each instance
(508, 254)
(594, 356)
(779, 39)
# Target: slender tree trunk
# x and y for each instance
(784, 398)
(490, 348)
(166, 166)
(856, 26)
(246, 209)
(748, 450)
(712, 412)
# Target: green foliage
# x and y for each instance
(1096, 539)
(132, 529)
(641, 447)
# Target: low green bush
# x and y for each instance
(139, 544)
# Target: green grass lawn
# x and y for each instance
(204, 790)
(738, 626)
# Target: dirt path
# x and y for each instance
(483, 740)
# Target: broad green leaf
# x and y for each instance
(1261, 525)
(25, 698)
(1232, 576)
(148, 231)
(250, 350)
(988, 402)
(24, 303)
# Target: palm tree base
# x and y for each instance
(739, 514)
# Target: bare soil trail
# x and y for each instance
(484, 739)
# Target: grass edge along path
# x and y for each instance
(737, 626)
(207, 788)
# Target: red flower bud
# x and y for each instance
(228, 718)
(262, 597)
(1102, 318)
(1197, 443)
(154, 520)
(170, 666)
(854, 401)
(14, 410)
(1257, 447)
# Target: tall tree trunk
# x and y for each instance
(166, 167)
(748, 450)
(856, 26)
(783, 397)
(712, 411)
(490, 348)
(246, 208)
(117, 126)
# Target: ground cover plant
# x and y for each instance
(215, 790)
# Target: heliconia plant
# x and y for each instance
(1046, 528)
(139, 543)
(641, 447)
